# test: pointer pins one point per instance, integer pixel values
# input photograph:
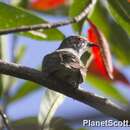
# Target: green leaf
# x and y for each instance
(20, 53)
(58, 123)
(21, 3)
(118, 39)
(28, 123)
(26, 88)
(75, 9)
(120, 11)
(1, 79)
(49, 104)
(106, 88)
(5, 80)
(44, 35)
(82, 129)
(17, 17)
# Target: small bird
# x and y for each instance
(64, 64)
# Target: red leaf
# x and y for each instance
(97, 65)
(120, 77)
(46, 4)
(101, 57)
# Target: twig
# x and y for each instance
(5, 120)
(97, 102)
(26, 28)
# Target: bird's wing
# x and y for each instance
(50, 62)
(62, 62)
(74, 64)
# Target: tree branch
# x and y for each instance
(102, 104)
(5, 120)
(26, 28)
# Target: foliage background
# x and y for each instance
(21, 99)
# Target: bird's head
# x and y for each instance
(77, 43)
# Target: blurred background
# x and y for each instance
(21, 100)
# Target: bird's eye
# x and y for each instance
(83, 44)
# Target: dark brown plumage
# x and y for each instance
(64, 64)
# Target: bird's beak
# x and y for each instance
(92, 45)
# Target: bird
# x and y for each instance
(64, 64)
